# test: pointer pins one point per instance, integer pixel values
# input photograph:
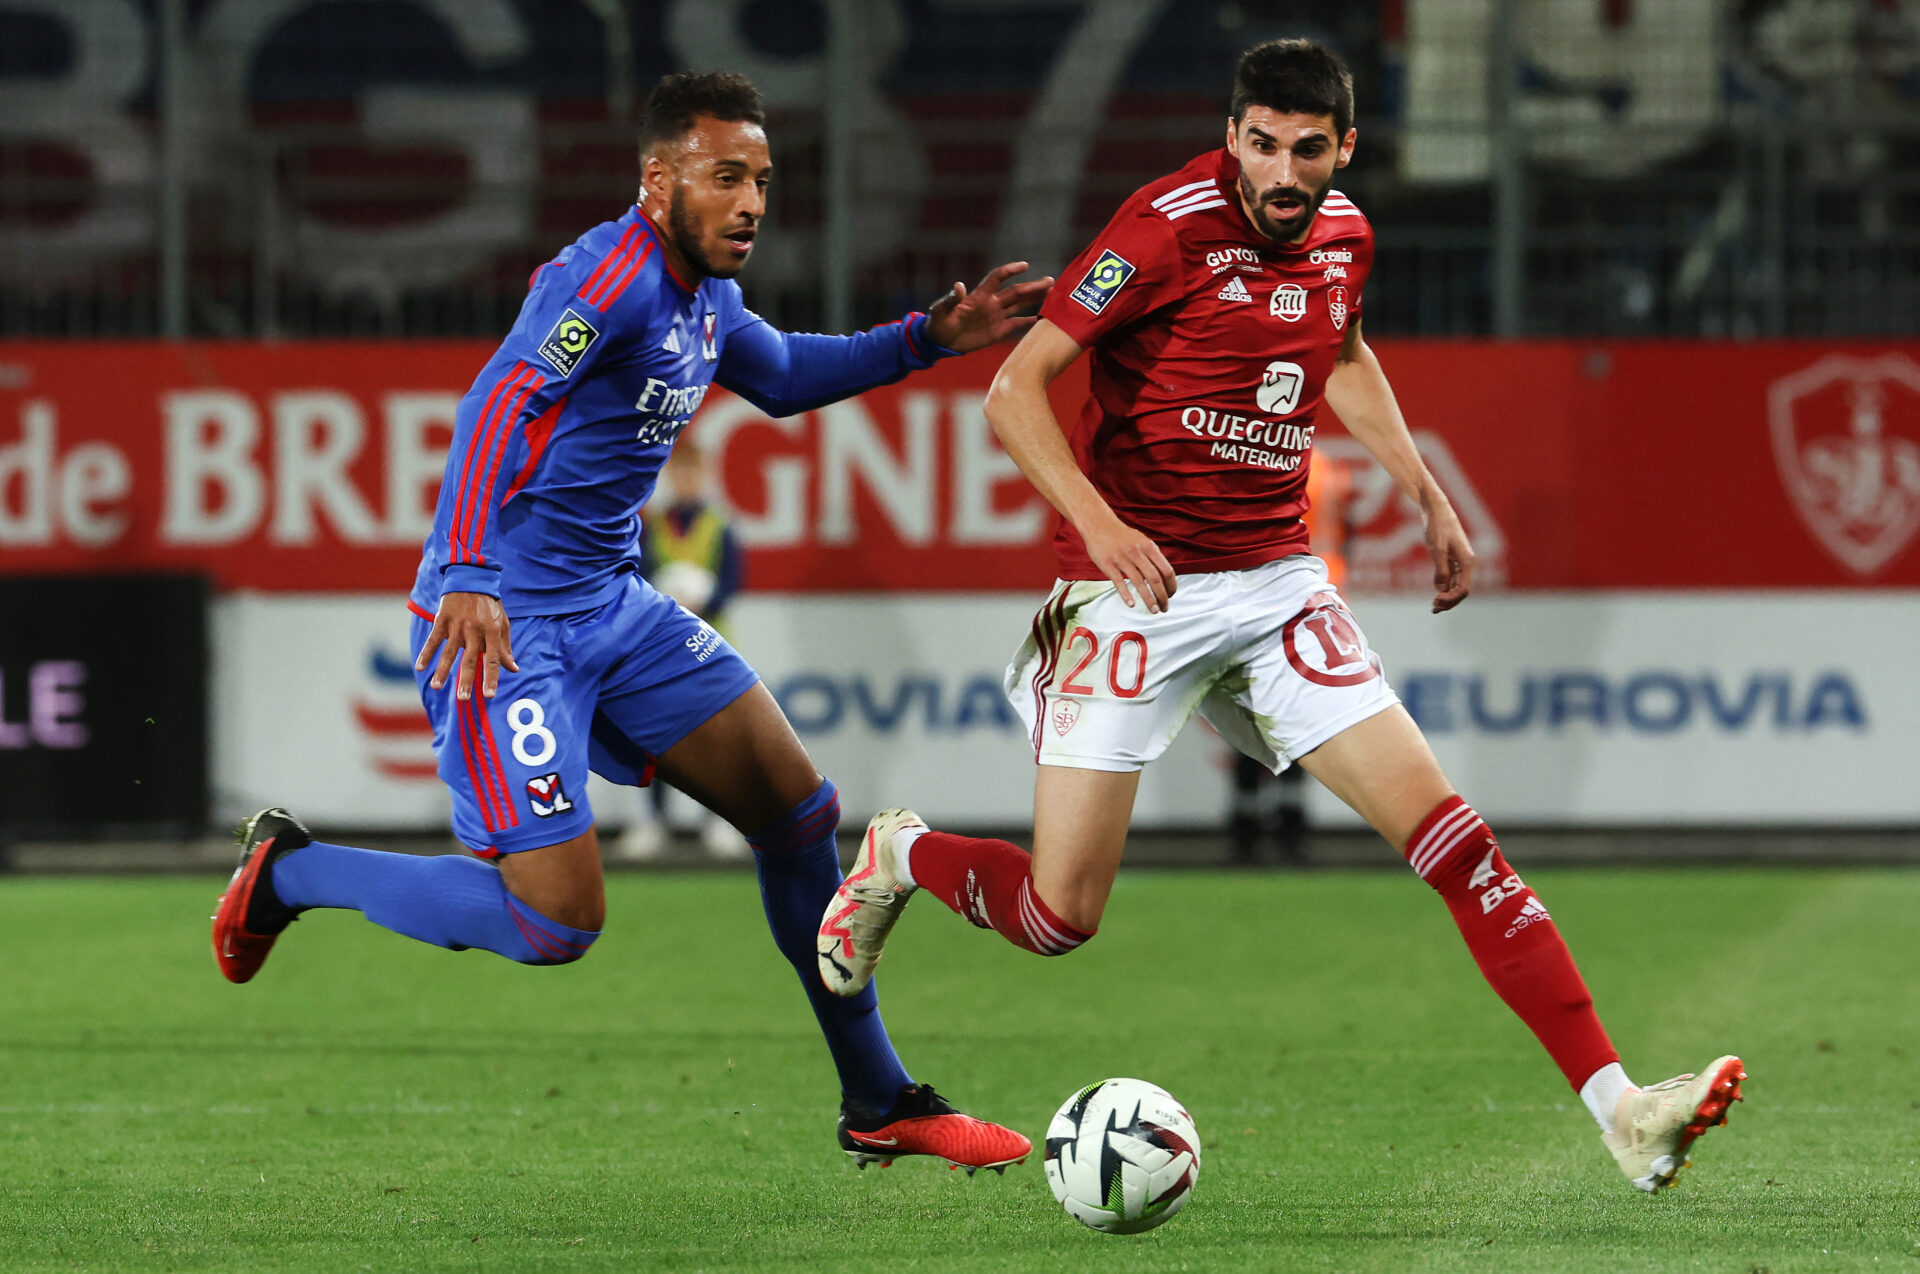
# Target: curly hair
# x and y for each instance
(679, 100)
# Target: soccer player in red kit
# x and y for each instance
(1222, 308)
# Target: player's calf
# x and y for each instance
(1512, 937)
(447, 900)
(989, 883)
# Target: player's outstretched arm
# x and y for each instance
(964, 321)
(1021, 416)
(1359, 394)
(783, 373)
(472, 628)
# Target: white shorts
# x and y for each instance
(1270, 656)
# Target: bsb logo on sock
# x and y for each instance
(547, 797)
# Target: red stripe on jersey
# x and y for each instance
(416, 608)
(666, 258)
(499, 772)
(491, 773)
(539, 434)
(471, 753)
(610, 265)
(906, 333)
(464, 491)
(620, 284)
(498, 451)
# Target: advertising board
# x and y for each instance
(103, 717)
(1611, 465)
(1545, 709)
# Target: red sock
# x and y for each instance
(990, 883)
(1511, 936)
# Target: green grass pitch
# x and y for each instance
(1365, 1102)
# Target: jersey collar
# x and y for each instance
(666, 261)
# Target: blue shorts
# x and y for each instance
(608, 689)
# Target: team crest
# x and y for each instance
(571, 337)
(1337, 306)
(1846, 435)
(707, 348)
(546, 797)
(1325, 646)
(1108, 275)
(1065, 713)
(1289, 301)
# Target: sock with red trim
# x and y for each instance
(989, 883)
(799, 864)
(448, 900)
(1511, 936)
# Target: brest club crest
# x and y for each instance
(1337, 307)
(1846, 435)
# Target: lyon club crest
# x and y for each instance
(1846, 435)
(1337, 306)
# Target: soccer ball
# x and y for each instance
(1122, 1156)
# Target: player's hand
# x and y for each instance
(1133, 562)
(1452, 555)
(472, 628)
(967, 321)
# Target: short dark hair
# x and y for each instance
(1294, 77)
(684, 97)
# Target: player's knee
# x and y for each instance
(558, 933)
(561, 951)
(1058, 944)
(550, 944)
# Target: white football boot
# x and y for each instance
(1654, 1127)
(863, 910)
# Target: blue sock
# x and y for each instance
(799, 866)
(449, 900)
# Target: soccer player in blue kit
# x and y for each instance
(542, 653)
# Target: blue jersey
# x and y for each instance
(558, 444)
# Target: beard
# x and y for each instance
(689, 237)
(1258, 203)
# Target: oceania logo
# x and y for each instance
(1650, 701)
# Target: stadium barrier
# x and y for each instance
(1615, 492)
(103, 716)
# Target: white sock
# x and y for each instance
(903, 854)
(1602, 1093)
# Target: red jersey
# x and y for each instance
(1211, 346)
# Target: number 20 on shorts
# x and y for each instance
(1126, 663)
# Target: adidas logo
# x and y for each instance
(672, 343)
(1532, 913)
(1235, 291)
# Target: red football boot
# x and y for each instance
(250, 915)
(924, 1123)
